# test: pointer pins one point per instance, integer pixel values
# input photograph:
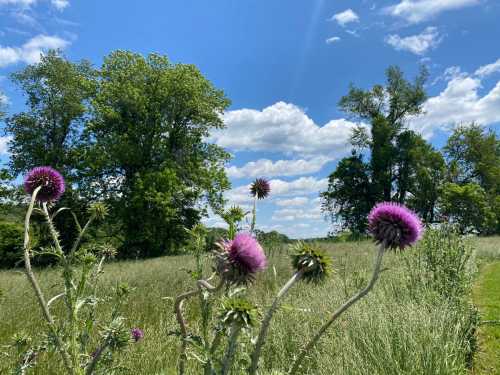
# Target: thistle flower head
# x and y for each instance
(50, 180)
(235, 213)
(241, 258)
(137, 334)
(98, 210)
(260, 188)
(394, 225)
(314, 262)
(238, 311)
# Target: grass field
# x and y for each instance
(487, 298)
(400, 328)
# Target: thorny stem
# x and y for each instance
(179, 301)
(340, 311)
(254, 214)
(38, 291)
(267, 320)
(96, 356)
(231, 349)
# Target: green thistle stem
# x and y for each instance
(36, 287)
(340, 311)
(231, 349)
(267, 320)
(254, 214)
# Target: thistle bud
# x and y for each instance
(314, 263)
(238, 312)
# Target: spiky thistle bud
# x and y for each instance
(314, 263)
(137, 334)
(260, 188)
(236, 311)
(394, 225)
(98, 210)
(50, 180)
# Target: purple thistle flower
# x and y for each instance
(49, 179)
(240, 259)
(260, 188)
(137, 334)
(394, 225)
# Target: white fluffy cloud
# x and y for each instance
(3, 145)
(268, 168)
(345, 17)
(285, 128)
(292, 202)
(332, 40)
(459, 102)
(30, 51)
(60, 4)
(415, 11)
(297, 214)
(418, 44)
(488, 69)
(280, 188)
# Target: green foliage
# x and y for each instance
(145, 149)
(11, 243)
(475, 156)
(57, 97)
(349, 194)
(468, 206)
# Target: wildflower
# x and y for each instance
(137, 334)
(394, 225)
(50, 180)
(241, 258)
(260, 188)
(314, 262)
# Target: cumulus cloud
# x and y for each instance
(459, 102)
(280, 188)
(332, 40)
(415, 11)
(4, 149)
(60, 4)
(22, 3)
(268, 168)
(292, 202)
(4, 100)
(294, 214)
(285, 128)
(345, 17)
(418, 44)
(488, 69)
(30, 51)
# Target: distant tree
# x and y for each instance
(386, 108)
(467, 205)
(474, 155)
(390, 173)
(349, 196)
(146, 149)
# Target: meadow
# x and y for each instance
(402, 327)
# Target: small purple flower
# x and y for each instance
(394, 225)
(49, 179)
(260, 188)
(137, 334)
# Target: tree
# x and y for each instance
(47, 133)
(349, 196)
(467, 205)
(390, 173)
(146, 150)
(58, 94)
(474, 155)
(386, 108)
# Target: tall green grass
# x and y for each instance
(402, 327)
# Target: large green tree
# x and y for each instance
(390, 174)
(147, 151)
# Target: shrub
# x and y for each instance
(11, 243)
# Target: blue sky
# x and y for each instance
(284, 64)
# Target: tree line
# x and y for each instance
(130, 133)
(390, 162)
